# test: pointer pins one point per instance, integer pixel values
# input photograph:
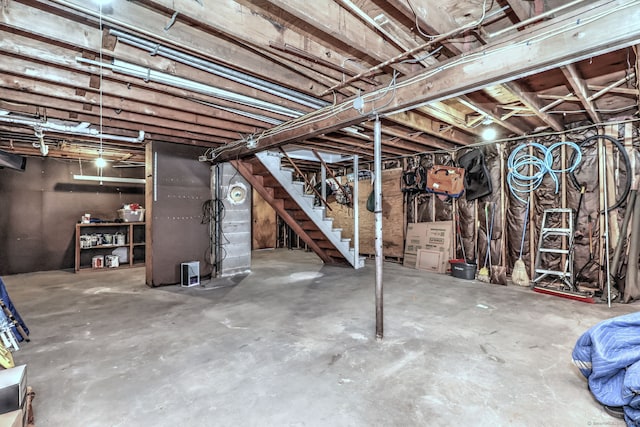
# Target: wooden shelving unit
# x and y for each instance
(134, 240)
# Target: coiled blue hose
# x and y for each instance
(526, 171)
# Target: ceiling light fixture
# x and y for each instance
(100, 161)
(489, 134)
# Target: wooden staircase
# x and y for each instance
(276, 186)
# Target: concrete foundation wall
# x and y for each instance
(40, 207)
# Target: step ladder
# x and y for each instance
(562, 235)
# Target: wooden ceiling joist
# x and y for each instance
(497, 62)
(579, 86)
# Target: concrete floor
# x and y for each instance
(293, 345)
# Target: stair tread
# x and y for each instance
(300, 206)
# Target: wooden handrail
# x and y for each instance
(305, 178)
(328, 169)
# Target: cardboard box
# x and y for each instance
(429, 260)
(13, 389)
(436, 238)
(13, 419)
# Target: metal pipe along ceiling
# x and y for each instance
(219, 70)
(147, 74)
(79, 129)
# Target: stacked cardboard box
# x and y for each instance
(429, 246)
(13, 396)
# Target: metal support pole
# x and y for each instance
(323, 187)
(377, 188)
(217, 247)
(356, 213)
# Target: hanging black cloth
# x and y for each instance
(477, 180)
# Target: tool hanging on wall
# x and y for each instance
(519, 275)
(464, 255)
(622, 241)
(484, 273)
(477, 179)
(579, 276)
(414, 178)
(445, 180)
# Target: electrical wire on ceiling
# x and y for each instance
(499, 47)
(475, 24)
(517, 139)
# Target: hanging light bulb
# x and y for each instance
(489, 134)
(101, 162)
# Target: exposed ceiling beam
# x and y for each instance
(114, 115)
(531, 101)
(490, 114)
(331, 20)
(520, 8)
(618, 90)
(436, 17)
(604, 26)
(144, 21)
(243, 25)
(431, 127)
(579, 87)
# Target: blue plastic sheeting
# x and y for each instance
(608, 355)
(7, 301)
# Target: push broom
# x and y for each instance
(519, 274)
(483, 274)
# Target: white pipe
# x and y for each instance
(265, 86)
(78, 129)
(147, 74)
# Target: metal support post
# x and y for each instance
(377, 188)
(323, 187)
(356, 212)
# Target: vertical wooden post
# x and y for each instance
(612, 184)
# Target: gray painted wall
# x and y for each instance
(40, 207)
(178, 232)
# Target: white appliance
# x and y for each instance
(190, 274)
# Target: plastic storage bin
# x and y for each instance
(463, 270)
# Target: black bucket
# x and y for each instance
(463, 270)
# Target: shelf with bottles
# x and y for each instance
(97, 244)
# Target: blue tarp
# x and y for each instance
(7, 301)
(608, 355)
